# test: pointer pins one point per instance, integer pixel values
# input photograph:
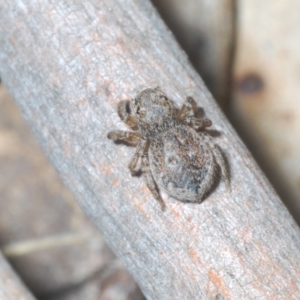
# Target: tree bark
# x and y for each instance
(53, 247)
(67, 66)
(11, 287)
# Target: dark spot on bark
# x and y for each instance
(250, 84)
(106, 91)
(218, 297)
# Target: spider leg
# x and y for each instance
(197, 124)
(211, 167)
(224, 169)
(140, 149)
(125, 116)
(187, 109)
(150, 181)
(187, 115)
(131, 138)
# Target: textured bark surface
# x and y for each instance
(11, 287)
(67, 66)
(265, 104)
(205, 31)
(53, 246)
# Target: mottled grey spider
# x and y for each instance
(173, 152)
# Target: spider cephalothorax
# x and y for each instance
(154, 112)
(175, 153)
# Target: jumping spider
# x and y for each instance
(172, 154)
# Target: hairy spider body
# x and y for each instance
(181, 162)
(174, 155)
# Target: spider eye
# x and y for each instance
(163, 99)
(141, 112)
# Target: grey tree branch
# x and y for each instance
(67, 66)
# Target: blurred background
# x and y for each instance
(248, 54)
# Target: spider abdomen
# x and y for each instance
(182, 163)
